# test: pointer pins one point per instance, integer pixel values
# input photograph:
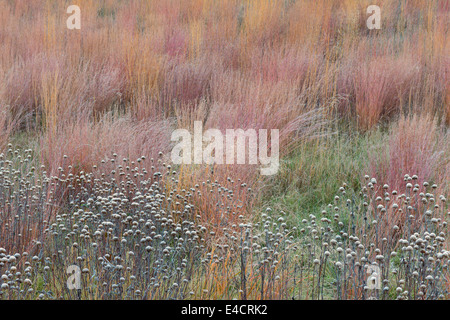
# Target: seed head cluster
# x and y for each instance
(134, 233)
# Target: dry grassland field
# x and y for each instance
(224, 149)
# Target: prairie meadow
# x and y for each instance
(93, 205)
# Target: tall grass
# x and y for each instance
(417, 145)
(172, 54)
(348, 101)
(84, 143)
(6, 126)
